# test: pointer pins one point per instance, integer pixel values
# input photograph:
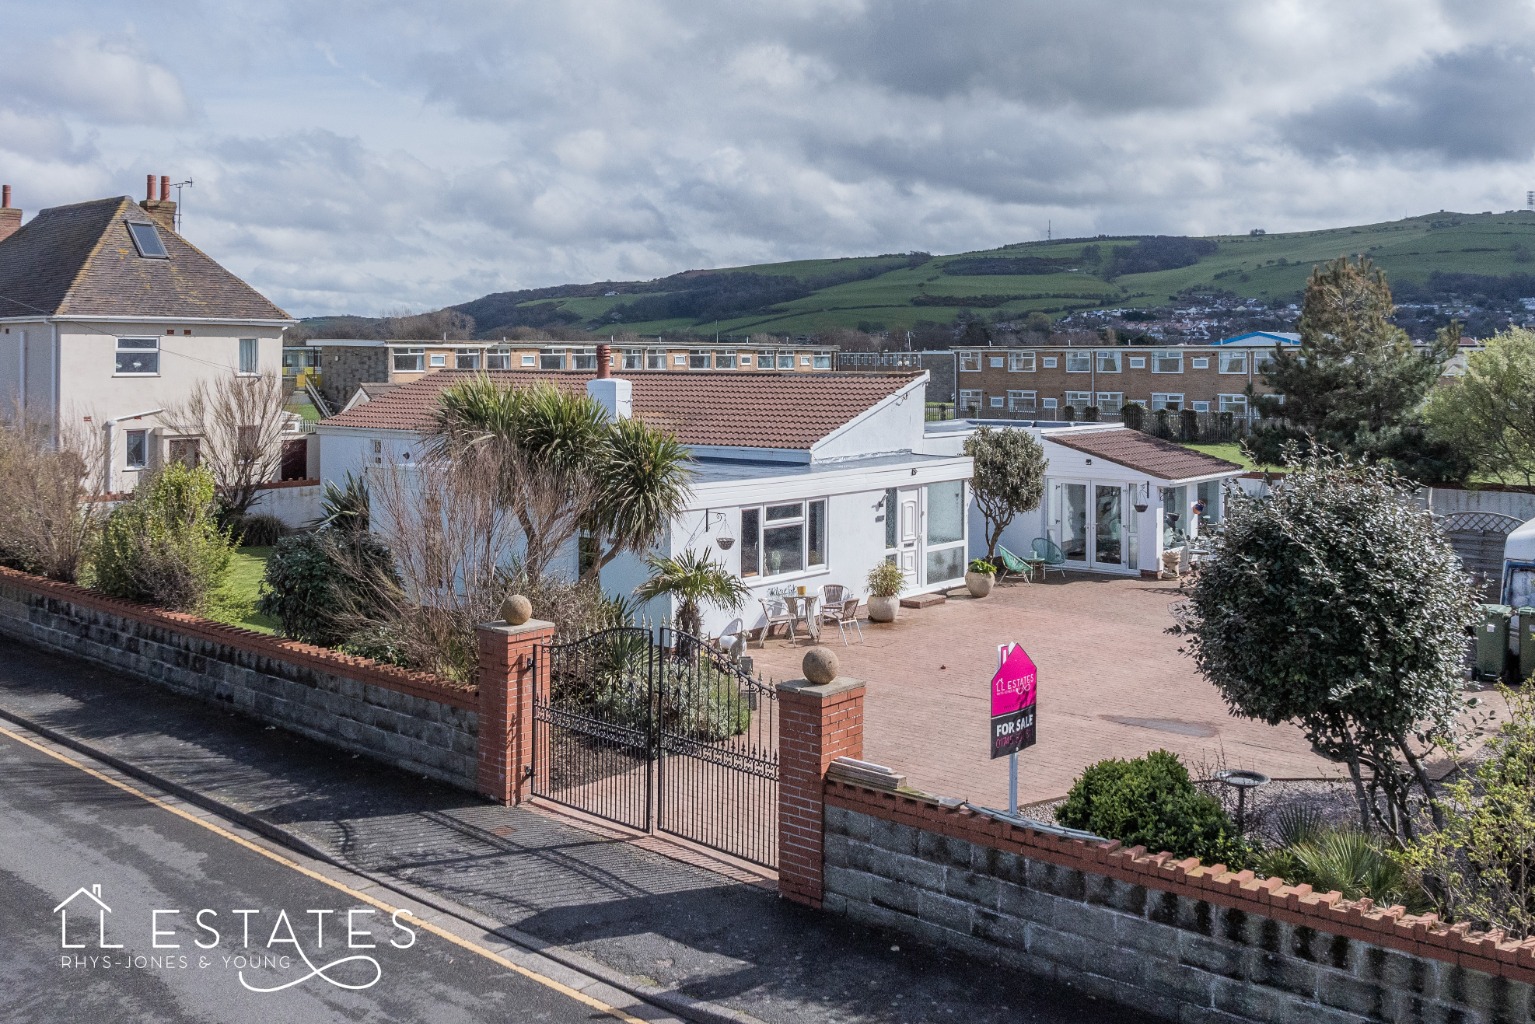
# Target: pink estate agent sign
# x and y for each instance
(1013, 692)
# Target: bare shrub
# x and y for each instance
(239, 421)
(51, 504)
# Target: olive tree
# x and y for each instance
(1009, 478)
(1335, 603)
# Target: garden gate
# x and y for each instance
(659, 731)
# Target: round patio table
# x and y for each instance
(806, 608)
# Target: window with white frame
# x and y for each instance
(1079, 362)
(724, 360)
(995, 401)
(551, 360)
(679, 360)
(1079, 400)
(945, 519)
(409, 360)
(1263, 362)
(1137, 362)
(970, 399)
(584, 360)
(1200, 406)
(1233, 362)
(1049, 362)
(634, 359)
(655, 360)
(804, 360)
(1234, 404)
(1021, 401)
(1108, 362)
(1020, 362)
(1110, 401)
(1167, 362)
(498, 359)
(1048, 405)
(764, 360)
(138, 357)
(138, 448)
(249, 356)
(822, 361)
(1201, 363)
(746, 359)
(784, 538)
(786, 360)
(437, 360)
(528, 359)
(969, 362)
(1172, 402)
(466, 359)
(995, 362)
(698, 360)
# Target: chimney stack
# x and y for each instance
(604, 361)
(10, 219)
(163, 210)
(614, 394)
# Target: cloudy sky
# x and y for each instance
(368, 157)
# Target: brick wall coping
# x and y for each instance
(320, 659)
(1423, 935)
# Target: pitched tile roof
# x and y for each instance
(1144, 453)
(754, 410)
(81, 261)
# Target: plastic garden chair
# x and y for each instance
(1050, 555)
(1012, 565)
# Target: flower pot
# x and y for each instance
(882, 609)
(979, 583)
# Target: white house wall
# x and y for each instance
(897, 425)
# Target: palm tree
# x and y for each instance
(694, 580)
(643, 481)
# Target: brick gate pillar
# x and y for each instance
(508, 673)
(816, 725)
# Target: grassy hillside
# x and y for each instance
(897, 291)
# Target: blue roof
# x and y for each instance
(1260, 338)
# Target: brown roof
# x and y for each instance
(80, 261)
(1144, 453)
(753, 410)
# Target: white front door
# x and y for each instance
(909, 535)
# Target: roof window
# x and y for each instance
(146, 239)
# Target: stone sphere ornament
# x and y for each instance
(516, 610)
(820, 665)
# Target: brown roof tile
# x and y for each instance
(754, 410)
(1144, 453)
(80, 261)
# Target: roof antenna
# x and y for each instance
(178, 187)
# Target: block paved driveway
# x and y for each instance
(1111, 684)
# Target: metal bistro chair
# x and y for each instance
(777, 610)
(1050, 555)
(833, 593)
(844, 613)
(1012, 565)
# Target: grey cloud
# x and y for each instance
(1474, 105)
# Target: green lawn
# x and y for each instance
(1230, 451)
(236, 600)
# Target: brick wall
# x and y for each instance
(407, 719)
(1177, 939)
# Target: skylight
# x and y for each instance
(147, 240)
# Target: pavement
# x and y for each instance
(617, 916)
(1112, 683)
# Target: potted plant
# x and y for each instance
(980, 577)
(886, 581)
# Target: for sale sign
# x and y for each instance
(1012, 701)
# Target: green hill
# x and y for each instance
(1420, 255)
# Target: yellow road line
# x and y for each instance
(562, 989)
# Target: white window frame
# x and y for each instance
(760, 572)
(1048, 405)
(1020, 362)
(529, 359)
(1049, 362)
(969, 362)
(1079, 400)
(1234, 404)
(1172, 401)
(1200, 406)
(250, 357)
(698, 360)
(1159, 361)
(995, 362)
(584, 360)
(1108, 362)
(141, 436)
(724, 360)
(408, 360)
(147, 348)
(679, 360)
(551, 361)
(746, 359)
(1200, 363)
(437, 360)
(498, 359)
(994, 401)
(1137, 362)
(655, 360)
(1110, 400)
(1079, 362)
(971, 398)
(467, 359)
(1234, 363)
(1022, 401)
(821, 361)
(804, 360)
(786, 360)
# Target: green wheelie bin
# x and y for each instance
(1526, 643)
(1492, 641)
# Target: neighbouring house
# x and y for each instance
(802, 479)
(108, 317)
(339, 366)
(940, 367)
(1115, 498)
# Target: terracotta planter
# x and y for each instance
(979, 583)
(882, 609)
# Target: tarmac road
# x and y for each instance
(282, 941)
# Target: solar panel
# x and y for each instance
(147, 240)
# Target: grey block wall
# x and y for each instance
(1172, 956)
(422, 736)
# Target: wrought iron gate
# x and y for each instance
(660, 732)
